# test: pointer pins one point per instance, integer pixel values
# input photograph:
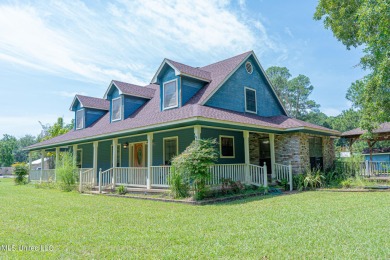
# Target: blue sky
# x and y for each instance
(51, 50)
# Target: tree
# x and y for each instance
(58, 128)
(294, 93)
(8, 145)
(367, 23)
(19, 154)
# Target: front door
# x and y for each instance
(138, 155)
(265, 153)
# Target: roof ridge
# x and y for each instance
(227, 59)
(198, 68)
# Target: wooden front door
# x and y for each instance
(139, 155)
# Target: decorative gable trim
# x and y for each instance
(233, 71)
(177, 72)
(73, 103)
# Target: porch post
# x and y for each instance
(114, 159)
(74, 154)
(272, 150)
(197, 132)
(57, 162)
(247, 159)
(42, 164)
(95, 162)
(29, 165)
(150, 163)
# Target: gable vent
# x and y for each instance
(249, 67)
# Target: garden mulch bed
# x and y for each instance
(190, 200)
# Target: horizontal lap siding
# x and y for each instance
(87, 160)
(185, 137)
(231, 94)
(238, 144)
(189, 88)
(104, 155)
(92, 115)
(131, 104)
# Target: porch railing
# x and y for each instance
(160, 176)
(235, 172)
(258, 175)
(43, 175)
(134, 176)
(87, 178)
(284, 172)
(106, 179)
(377, 169)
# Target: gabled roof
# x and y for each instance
(132, 90)
(149, 117)
(91, 102)
(185, 70)
(383, 128)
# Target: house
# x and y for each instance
(132, 133)
(378, 154)
(37, 164)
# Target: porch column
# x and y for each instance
(74, 154)
(29, 165)
(42, 164)
(272, 150)
(247, 159)
(197, 132)
(57, 162)
(114, 152)
(95, 160)
(150, 162)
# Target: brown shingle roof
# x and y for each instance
(383, 128)
(92, 102)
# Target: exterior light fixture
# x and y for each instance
(125, 145)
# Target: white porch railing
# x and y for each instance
(371, 168)
(106, 179)
(131, 176)
(87, 177)
(43, 175)
(284, 172)
(160, 176)
(235, 172)
(258, 175)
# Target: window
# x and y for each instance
(170, 149)
(79, 158)
(248, 67)
(250, 100)
(170, 97)
(118, 156)
(315, 152)
(226, 146)
(116, 109)
(80, 119)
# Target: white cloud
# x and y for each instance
(330, 111)
(288, 32)
(124, 40)
(69, 94)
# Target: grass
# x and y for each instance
(305, 225)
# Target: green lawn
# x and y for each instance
(305, 225)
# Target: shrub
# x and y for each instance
(67, 172)
(347, 183)
(313, 178)
(193, 167)
(298, 181)
(178, 183)
(122, 190)
(21, 171)
(285, 184)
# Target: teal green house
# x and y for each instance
(129, 136)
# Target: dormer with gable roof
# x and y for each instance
(88, 110)
(178, 83)
(124, 99)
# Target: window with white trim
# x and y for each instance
(80, 119)
(250, 100)
(170, 149)
(116, 109)
(170, 95)
(226, 146)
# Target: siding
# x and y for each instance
(231, 94)
(238, 143)
(104, 155)
(92, 115)
(87, 160)
(167, 74)
(131, 104)
(189, 88)
(185, 136)
(378, 157)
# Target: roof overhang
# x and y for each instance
(120, 91)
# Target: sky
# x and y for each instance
(52, 50)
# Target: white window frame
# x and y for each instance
(246, 108)
(177, 94)
(246, 63)
(177, 145)
(83, 121)
(120, 109)
(119, 153)
(220, 147)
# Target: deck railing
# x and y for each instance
(134, 176)
(284, 172)
(258, 175)
(235, 172)
(160, 176)
(106, 179)
(86, 178)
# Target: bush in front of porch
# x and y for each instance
(191, 169)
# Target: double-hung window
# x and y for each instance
(116, 109)
(80, 119)
(226, 146)
(170, 94)
(250, 100)
(170, 149)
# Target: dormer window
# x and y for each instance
(116, 113)
(250, 100)
(170, 95)
(80, 119)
